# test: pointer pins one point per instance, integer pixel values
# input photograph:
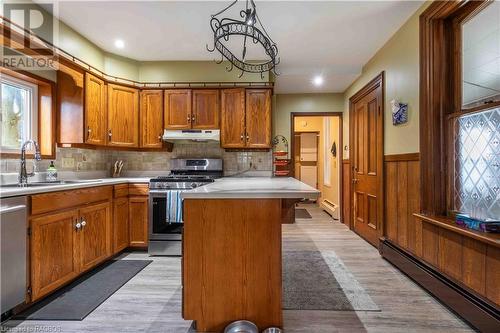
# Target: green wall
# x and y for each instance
(399, 58)
(285, 104)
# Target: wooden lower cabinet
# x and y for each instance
(53, 249)
(138, 221)
(94, 236)
(120, 224)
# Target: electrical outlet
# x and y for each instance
(68, 162)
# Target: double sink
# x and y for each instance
(58, 182)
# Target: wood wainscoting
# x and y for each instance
(346, 193)
(402, 200)
(459, 266)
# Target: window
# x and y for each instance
(476, 134)
(460, 108)
(19, 113)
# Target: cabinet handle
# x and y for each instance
(241, 137)
(248, 138)
(89, 130)
(78, 226)
(83, 222)
(159, 137)
(109, 133)
(354, 181)
(192, 119)
(189, 119)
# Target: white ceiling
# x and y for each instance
(330, 38)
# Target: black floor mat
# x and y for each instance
(301, 213)
(78, 299)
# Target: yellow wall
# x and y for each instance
(285, 104)
(316, 124)
(399, 58)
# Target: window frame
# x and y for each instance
(441, 99)
(45, 123)
(32, 120)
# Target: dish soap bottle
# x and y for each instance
(51, 172)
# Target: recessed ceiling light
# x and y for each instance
(318, 81)
(119, 43)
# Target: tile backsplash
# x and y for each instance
(82, 160)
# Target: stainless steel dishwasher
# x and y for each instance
(13, 227)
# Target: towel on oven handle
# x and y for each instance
(174, 206)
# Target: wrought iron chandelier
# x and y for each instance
(251, 28)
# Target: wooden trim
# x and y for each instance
(402, 157)
(449, 224)
(440, 96)
(12, 36)
(473, 309)
(340, 149)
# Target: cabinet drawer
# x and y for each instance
(120, 190)
(138, 189)
(49, 202)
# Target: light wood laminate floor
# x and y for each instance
(151, 301)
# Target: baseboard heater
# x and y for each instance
(477, 312)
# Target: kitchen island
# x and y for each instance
(232, 251)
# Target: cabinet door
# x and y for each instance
(120, 224)
(95, 235)
(258, 118)
(232, 118)
(95, 110)
(205, 109)
(178, 109)
(123, 116)
(151, 118)
(53, 247)
(138, 221)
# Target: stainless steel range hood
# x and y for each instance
(191, 135)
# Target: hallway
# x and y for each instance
(404, 306)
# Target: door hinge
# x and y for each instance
(29, 231)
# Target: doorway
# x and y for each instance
(316, 151)
(366, 112)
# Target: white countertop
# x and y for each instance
(6, 192)
(253, 188)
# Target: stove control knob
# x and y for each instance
(194, 185)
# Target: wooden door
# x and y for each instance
(120, 224)
(123, 116)
(367, 162)
(53, 247)
(95, 110)
(94, 237)
(205, 109)
(232, 129)
(138, 221)
(151, 118)
(258, 118)
(178, 109)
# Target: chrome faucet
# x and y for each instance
(23, 174)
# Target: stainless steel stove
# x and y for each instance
(165, 206)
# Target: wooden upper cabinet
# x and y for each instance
(151, 119)
(53, 248)
(70, 95)
(95, 110)
(232, 129)
(95, 241)
(178, 109)
(258, 118)
(205, 113)
(123, 116)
